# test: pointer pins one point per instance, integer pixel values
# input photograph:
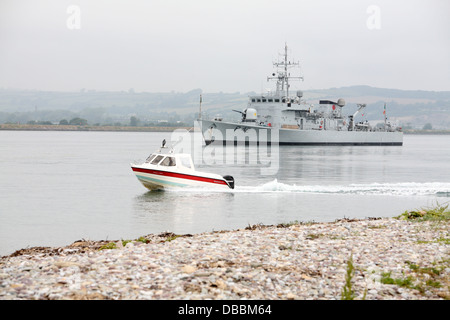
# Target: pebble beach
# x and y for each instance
(374, 259)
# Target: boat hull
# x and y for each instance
(226, 132)
(154, 179)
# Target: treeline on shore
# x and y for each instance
(425, 131)
(58, 127)
(163, 127)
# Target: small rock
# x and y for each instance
(291, 296)
(188, 269)
(66, 264)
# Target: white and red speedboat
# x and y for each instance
(164, 169)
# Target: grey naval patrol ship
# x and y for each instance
(279, 117)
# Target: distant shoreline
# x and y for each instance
(57, 127)
(412, 131)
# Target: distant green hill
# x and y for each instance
(361, 91)
(413, 108)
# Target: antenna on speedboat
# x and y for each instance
(163, 146)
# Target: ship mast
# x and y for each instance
(283, 75)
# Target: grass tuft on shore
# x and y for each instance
(347, 290)
(437, 213)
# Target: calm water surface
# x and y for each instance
(59, 187)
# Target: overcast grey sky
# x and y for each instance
(227, 46)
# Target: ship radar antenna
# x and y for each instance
(283, 76)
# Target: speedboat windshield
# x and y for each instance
(150, 158)
(157, 159)
(169, 161)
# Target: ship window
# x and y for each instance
(168, 161)
(157, 159)
(258, 100)
(277, 100)
(270, 100)
(263, 100)
(253, 100)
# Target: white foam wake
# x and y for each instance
(397, 189)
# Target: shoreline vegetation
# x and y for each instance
(405, 257)
(58, 127)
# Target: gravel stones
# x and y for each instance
(301, 261)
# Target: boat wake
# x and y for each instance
(441, 189)
(396, 189)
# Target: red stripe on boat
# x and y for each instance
(179, 175)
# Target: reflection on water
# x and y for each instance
(180, 210)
